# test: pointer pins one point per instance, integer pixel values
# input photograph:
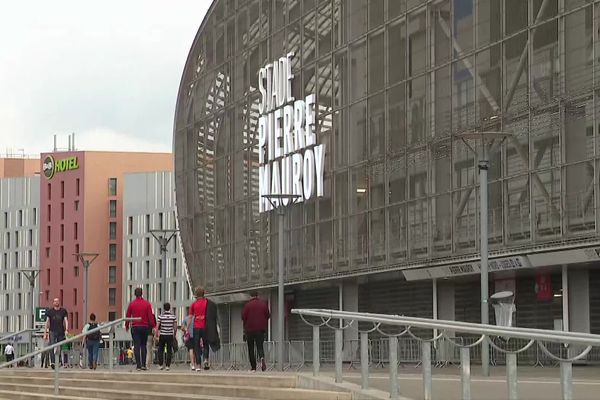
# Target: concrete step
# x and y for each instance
(66, 392)
(216, 378)
(14, 395)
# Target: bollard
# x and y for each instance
(339, 345)
(566, 380)
(364, 359)
(511, 376)
(316, 352)
(465, 373)
(426, 361)
(394, 392)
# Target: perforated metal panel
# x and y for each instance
(595, 301)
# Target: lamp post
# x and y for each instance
(163, 237)
(483, 142)
(276, 201)
(31, 274)
(86, 261)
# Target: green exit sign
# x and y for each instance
(40, 314)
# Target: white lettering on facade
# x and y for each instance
(290, 161)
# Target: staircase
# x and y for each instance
(123, 384)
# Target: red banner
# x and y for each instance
(543, 287)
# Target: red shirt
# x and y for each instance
(256, 315)
(140, 308)
(198, 311)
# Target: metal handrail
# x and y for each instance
(486, 333)
(55, 346)
(586, 339)
(5, 338)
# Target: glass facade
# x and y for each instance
(396, 82)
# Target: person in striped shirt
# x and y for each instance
(167, 329)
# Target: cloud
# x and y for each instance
(99, 69)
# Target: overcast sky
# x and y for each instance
(107, 70)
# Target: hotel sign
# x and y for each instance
(290, 160)
(52, 166)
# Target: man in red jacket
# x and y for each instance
(140, 329)
(256, 319)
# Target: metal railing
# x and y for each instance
(570, 346)
(56, 347)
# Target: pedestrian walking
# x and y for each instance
(205, 325)
(9, 353)
(57, 328)
(142, 309)
(167, 329)
(256, 316)
(187, 326)
(92, 341)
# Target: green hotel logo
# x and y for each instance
(52, 166)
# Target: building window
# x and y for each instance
(77, 187)
(160, 297)
(112, 316)
(19, 301)
(62, 210)
(30, 237)
(62, 275)
(147, 292)
(48, 234)
(160, 269)
(76, 320)
(147, 222)
(112, 186)
(174, 267)
(112, 252)
(49, 191)
(130, 225)
(62, 233)
(130, 248)
(62, 189)
(130, 270)
(47, 252)
(74, 296)
(30, 258)
(61, 297)
(16, 259)
(76, 252)
(47, 295)
(47, 278)
(112, 274)
(76, 270)
(174, 291)
(7, 240)
(112, 296)
(112, 231)
(20, 221)
(5, 220)
(129, 292)
(62, 254)
(112, 209)
(5, 284)
(16, 238)
(147, 269)
(49, 213)
(147, 246)
(160, 221)
(19, 281)
(76, 205)
(75, 230)
(34, 216)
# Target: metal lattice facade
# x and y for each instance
(395, 81)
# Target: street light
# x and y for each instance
(276, 201)
(163, 237)
(31, 274)
(485, 140)
(86, 260)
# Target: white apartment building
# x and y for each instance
(149, 205)
(19, 220)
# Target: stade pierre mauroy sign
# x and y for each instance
(290, 160)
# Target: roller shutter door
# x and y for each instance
(327, 298)
(467, 301)
(412, 299)
(595, 300)
(533, 313)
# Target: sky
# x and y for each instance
(107, 71)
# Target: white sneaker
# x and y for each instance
(167, 368)
(192, 367)
(161, 367)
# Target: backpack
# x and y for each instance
(95, 335)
